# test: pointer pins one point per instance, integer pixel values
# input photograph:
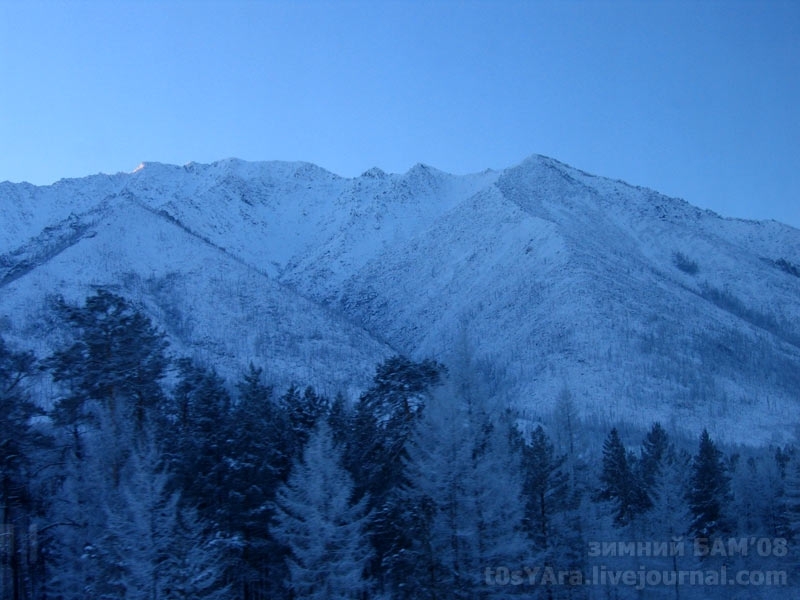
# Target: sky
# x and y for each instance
(698, 100)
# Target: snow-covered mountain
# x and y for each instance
(642, 306)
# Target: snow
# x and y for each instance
(556, 277)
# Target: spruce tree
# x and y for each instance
(198, 440)
(668, 518)
(791, 516)
(546, 487)
(258, 463)
(709, 490)
(654, 449)
(303, 412)
(620, 484)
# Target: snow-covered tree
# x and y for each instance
(153, 548)
(115, 528)
(76, 519)
(384, 419)
(565, 415)
(321, 527)
(668, 518)
(466, 479)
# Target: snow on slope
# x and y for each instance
(556, 278)
(27, 209)
(296, 217)
(558, 283)
(211, 305)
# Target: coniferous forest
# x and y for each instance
(130, 472)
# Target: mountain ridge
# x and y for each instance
(643, 306)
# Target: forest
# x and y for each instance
(145, 475)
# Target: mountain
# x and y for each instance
(642, 306)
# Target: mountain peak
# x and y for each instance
(374, 173)
(646, 307)
(155, 169)
(540, 161)
(423, 169)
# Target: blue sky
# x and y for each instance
(699, 100)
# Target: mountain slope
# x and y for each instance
(643, 306)
(212, 305)
(559, 283)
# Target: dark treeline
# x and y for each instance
(148, 476)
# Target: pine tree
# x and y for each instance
(303, 412)
(322, 529)
(654, 449)
(792, 499)
(18, 443)
(117, 353)
(72, 521)
(382, 423)
(619, 482)
(709, 490)
(547, 503)
(75, 521)
(257, 464)
(340, 420)
(546, 487)
(384, 418)
(198, 439)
